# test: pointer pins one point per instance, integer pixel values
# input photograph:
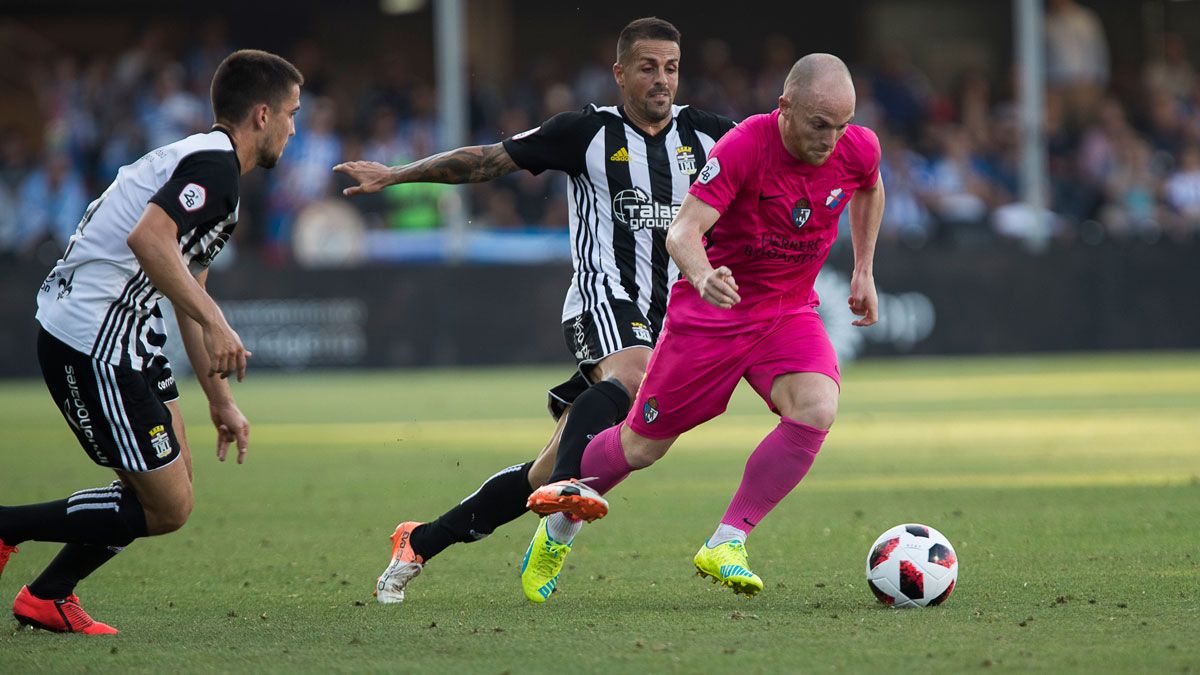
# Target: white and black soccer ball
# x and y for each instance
(912, 565)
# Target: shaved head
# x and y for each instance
(816, 106)
(818, 76)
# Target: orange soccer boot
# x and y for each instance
(404, 566)
(61, 616)
(571, 496)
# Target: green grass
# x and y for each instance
(1069, 485)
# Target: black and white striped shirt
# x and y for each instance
(625, 188)
(97, 298)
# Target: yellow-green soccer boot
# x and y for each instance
(542, 564)
(726, 564)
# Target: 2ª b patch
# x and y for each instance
(192, 197)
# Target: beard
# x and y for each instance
(268, 159)
(655, 113)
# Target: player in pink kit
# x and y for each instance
(749, 239)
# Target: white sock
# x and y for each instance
(725, 533)
(561, 528)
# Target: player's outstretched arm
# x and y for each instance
(471, 164)
(232, 426)
(154, 241)
(685, 243)
(866, 212)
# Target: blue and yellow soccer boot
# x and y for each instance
(726, 564)
(542, 564)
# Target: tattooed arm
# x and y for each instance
(472, 164)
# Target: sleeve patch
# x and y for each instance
(710, 171)
(192, 197)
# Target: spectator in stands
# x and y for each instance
(171, 112)
(1182, 195)
(52, 199)
(305, 176)
(906, 217)
(1131, 208)
(1171, 72)
(1077, 67)
(959, 192)
(903, 93)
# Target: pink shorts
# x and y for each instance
(691, 377)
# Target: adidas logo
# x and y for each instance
(621, 155)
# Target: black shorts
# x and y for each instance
(595, 334)
(119, 415)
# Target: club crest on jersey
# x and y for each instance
(160, 441)
(686, 160)
(650, 410)
(835, 198)
(800, 212)
(641, 331)
(192, 197)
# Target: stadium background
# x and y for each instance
(434, 275)
(1068, 482)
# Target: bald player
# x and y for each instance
(750, 237)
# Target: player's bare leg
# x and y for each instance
(75, 562)
(95, 536)
(543, 466)
(165, 495)
(807, 403)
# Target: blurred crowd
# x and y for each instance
(1121, 167)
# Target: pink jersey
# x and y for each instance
(779, 217)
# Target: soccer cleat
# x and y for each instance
(571, 496)
(726, 564)
(5, 552)
(542, 564)
(403, 568)
(61, 616)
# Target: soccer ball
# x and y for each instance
(912, 566)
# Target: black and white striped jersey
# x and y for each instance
(625, 188)
(97, 298)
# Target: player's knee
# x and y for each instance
(642, 455)
(627, 368)
(818, 413)
(169, 518)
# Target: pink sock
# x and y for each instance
(775, 467)
(604, 459)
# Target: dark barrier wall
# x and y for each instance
(935, 302)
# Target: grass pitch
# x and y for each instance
(1070, 487)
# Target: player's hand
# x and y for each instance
(719, 289)
(226, 354)
(232, 427)
(863, 300)
(371, 176)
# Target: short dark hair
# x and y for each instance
(647, 28)
(248, 77)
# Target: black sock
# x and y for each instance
(601, 406)
(501, 499)
(72, 565)
(107, 516)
